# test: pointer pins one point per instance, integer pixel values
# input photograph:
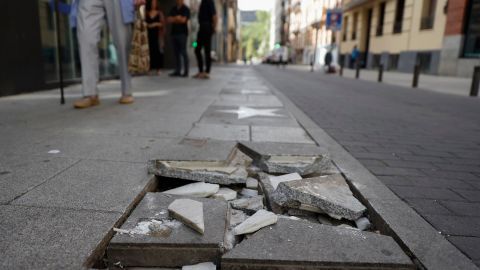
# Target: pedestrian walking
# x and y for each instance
(354, 56)
(207, 19)
(155, 24)
(88, 17)
(179, 17)
(328, 61)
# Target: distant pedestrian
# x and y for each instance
(179, 17)
(328, 61)
(354, 56)
(207, 19)
(88, 17)
(155, 24)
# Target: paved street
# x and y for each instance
(424, 146)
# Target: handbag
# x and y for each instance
(139, 58)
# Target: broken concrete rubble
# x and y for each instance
(189, 212)
(226, 194)
(248, 205)
(363, 223)
(236, 217)
(200, 266)
(252, 183)
(183, 246)
(260, 219)
(329, 193)
(246, 192)
(201, 190)
(300, 245)
(268, 190)
(275, 180)
(286, 158)
(215, 172)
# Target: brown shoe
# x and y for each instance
(126, 100)
(86, 102)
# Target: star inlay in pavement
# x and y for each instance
(246, 92)
(246, 112)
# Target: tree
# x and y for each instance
(255, 34)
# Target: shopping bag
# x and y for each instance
(139, 58)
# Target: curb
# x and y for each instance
(425, 245)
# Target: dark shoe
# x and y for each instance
(185, 75)
(174, 74)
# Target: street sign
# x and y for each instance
(334, 19)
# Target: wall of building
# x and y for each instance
(398, 51)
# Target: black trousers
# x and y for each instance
(180, 50)
(204, 41)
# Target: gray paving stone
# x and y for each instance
(285, 159)
(470, 195)
(202, 171)
(51, 238)
(426, 193)
(329, 193)
(469, 245)
(182, 247)
(455, 225)
(463, 208)
(305, 245)
(280, 134)
(91, 184)
(220, 132)
(429, 206)
(26, 173)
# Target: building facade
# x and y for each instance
(308, 34)
(31, 56)
(399, 34)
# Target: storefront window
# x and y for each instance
(472, 34)
(71, 59)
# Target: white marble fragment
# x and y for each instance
(363, 223)
(252, 183)
(200, 189)
(275, 180)
(200, 266)
(189, 212)
(225, 193)
(260, 219)
(249, 192)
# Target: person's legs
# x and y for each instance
(89, 23)
(176, 51)
(183, 53)
(122, 35)
(207, 51)
(198, 51)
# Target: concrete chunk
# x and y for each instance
(182, 246)
(259, 220)
(249, 205)
(249, 192)
(201, 190)
(275, 180)
(329, 193)
(287, 158)
(200, 266)
(215, 172)
(189, 212)
(226, 194)
(299, 245)
(252, 183)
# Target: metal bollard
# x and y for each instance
(416, 75)
(357, 73)
(475, 82)
(380, 73)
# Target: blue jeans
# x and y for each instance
(180, 49)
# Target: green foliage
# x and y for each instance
(255, 36)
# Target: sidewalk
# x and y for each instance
(441, 84)
(68, 176)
